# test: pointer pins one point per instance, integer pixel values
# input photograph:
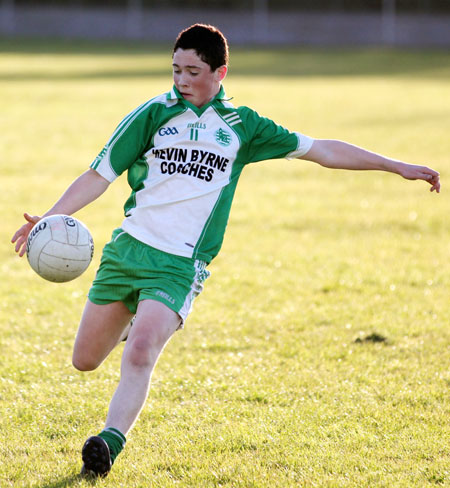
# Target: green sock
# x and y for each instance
(115, 440)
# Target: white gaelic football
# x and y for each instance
(59, 248)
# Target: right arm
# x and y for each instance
(84, 190)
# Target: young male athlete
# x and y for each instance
(183, 152)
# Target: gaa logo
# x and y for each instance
(223, 137)
(168, 131)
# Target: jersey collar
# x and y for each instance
(175, 95)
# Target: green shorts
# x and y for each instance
(131, 271)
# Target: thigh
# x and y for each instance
(153, 326)
(99, 331)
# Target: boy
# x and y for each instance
(184, 152)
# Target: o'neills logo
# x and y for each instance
(34, 232)
(69, 221)
(196, 125)
(165, 295)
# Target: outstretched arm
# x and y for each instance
(84, 190)
(341, 155)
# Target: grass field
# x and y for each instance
(278, 379)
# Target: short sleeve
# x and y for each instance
(268, 140)
(304, 145)
(126, 145)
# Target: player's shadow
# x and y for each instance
(69, 481)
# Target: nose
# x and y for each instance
(182, 80)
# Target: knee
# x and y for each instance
(143, 352)
(83, 363)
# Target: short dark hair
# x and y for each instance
(208, 42)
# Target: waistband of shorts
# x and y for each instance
(119, 232)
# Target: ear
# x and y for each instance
(221, 72)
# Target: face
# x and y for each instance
(194, 78)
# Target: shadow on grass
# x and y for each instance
(154, 60)
(69, 481)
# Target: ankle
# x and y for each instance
(115, 439)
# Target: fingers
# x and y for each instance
(21, 236)
(431, 176)
(21, 246)
(32, 219)
(15, 236)
(436, 186)
(434, 180)
(25, 229)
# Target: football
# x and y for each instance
(59, 248)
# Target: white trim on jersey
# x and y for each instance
(304, 145)
(232, 119)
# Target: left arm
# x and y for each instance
(341, 155)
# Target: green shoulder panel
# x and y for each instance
(264, 138)
(134, 135)
(260, 137)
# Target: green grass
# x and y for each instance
(273, 383)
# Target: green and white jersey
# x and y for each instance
(183, 165)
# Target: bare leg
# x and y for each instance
(154, 325)
(99, 331)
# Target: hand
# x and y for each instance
(413, 172)
(21, 236)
